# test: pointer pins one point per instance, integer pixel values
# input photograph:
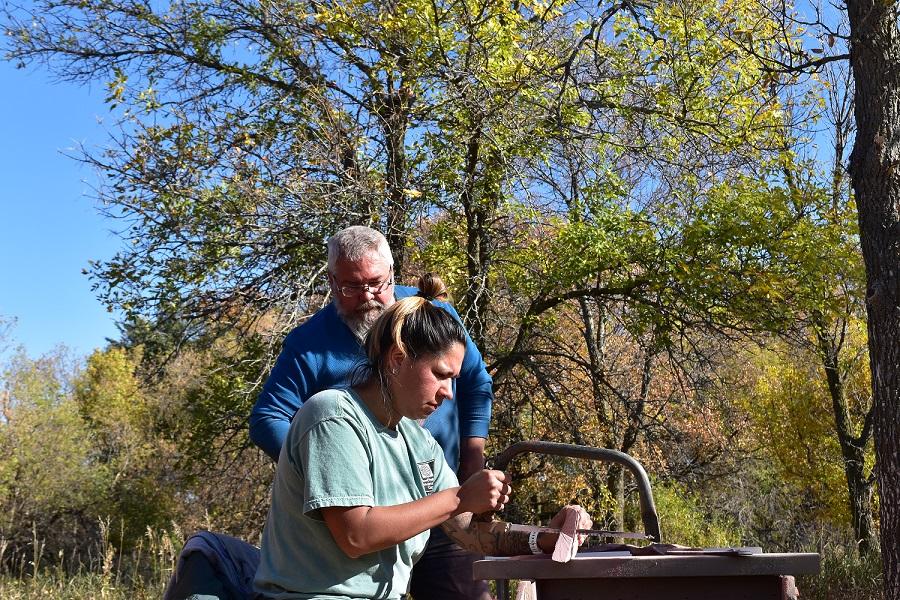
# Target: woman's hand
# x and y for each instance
(547, 541)
(494, 538)
(485, 491)
(560, 518)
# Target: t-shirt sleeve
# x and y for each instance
(334, 460)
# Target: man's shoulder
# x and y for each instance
(405, 291)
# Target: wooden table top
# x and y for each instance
(592, 565)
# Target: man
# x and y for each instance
(322, 353)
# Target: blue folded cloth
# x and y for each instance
(214, 566)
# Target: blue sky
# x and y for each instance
(49, 227)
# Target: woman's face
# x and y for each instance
(420, 385)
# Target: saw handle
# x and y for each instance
(648, 508)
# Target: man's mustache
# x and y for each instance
(368, 306)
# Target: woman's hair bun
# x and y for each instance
(431, 287)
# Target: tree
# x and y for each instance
(51, 493)
(251, 131)
(194, 396)
(791, 426)
(827, 301)
(875, 62)
(578, 158)
(828, 320)
(835, 320)
(873, 51)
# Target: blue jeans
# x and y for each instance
(445, 572)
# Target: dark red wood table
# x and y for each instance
(597, 577)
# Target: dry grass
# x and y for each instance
(844, 576)
(106, 573)
(101, 571)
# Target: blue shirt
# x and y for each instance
(321, 354)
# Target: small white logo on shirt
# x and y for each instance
(426, 474)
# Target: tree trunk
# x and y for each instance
(860, 490)
(393, 109)
(397, 210)
(853, 447)
(478, 209)
(875, 173)
(595, 341)
(615, 483)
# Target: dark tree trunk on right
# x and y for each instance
(875, 173)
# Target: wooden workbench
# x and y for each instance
(599, 576)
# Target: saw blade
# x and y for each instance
(587, 532)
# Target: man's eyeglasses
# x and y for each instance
(349, 291)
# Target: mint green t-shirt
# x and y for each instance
(338, 454)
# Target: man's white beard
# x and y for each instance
(362, 318)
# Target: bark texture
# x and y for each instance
(875, 173)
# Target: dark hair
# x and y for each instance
(415, 326)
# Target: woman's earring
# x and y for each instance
(393, 371)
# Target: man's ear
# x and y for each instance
(395, 358)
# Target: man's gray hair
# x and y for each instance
(354, 243)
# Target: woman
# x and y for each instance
(359, 482)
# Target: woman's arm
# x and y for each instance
(359, 530)
(494, 538)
